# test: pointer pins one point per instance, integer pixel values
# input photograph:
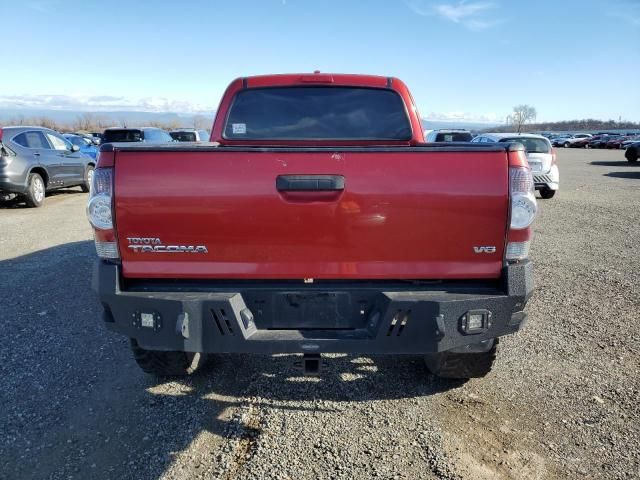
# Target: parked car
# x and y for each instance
(540, 155)
(569, 140)
(631, 140)
(270, 241)
(86, 135)
(36, 160)
(97, 137)
(189, 135)
(86, 146)
(143, 134)
(633, 152)
(581, 143)
(599, 141)
(616, 142)
(449, 135)
(557, 140)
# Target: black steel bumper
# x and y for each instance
(323, 317)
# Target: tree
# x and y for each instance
(200, 122)
(522, 114)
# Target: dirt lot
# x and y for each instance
(562, 402)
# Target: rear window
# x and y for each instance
(184, 136)
(317, 113)
(156, 135)
(111, 136)
(453, 137)
(32, 140)
(531, 145)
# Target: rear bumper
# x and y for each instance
(329, 317)
(12, 184)
(549, 180)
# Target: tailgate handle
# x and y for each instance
(309, 183)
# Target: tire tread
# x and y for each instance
(462, 365)
(166, 363)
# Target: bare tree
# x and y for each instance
(201, 122)
(522, 114)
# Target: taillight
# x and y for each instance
(554, 158)
(523, 211)
(99, 212)
(523, 199)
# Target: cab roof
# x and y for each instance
(337, 79)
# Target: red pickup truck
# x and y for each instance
(316, 220)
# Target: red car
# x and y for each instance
(618, 141)
(582, 143)
(318, 220)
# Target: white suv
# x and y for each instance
(540, 154)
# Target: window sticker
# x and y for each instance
(239, 128)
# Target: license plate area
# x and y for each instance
(312, 310)
(535, 166)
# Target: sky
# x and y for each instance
(463, 60)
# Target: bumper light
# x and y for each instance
(517, 251)
(475, 321)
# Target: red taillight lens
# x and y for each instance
(554, 157)
(99, 213)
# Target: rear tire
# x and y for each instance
(461, 365)
(566, 145)
(34, 197)
(163, 364)
(631, 154)
(547, 193)
(88, 179)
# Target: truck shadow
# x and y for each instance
(78, 405)
(621, 163)
(633, 175)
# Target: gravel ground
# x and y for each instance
(562, 401)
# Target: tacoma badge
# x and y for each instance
(155, 245)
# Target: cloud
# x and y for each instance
(475, 16)
(489, 117)
(104, 103)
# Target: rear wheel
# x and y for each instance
(631, 154)
(461, 365)
(547, 193)
(34, 197)
(566, 145)
(88, 179)
(164, 364)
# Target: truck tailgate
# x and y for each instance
(403, 213)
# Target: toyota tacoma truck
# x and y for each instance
(316, 220)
